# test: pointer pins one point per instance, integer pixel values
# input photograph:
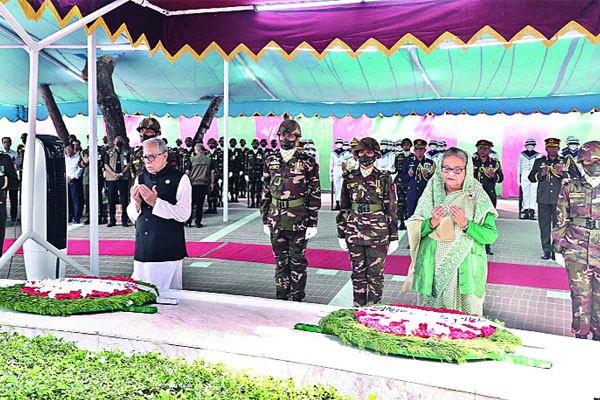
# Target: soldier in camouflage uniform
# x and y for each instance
(577, 240)
(148, 128)
(289, 208)
(403, 155)
(216, 156)
(368, 223)
(254, 168)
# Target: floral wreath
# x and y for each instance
(79, 294)
(423, 332)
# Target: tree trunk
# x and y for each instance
(109, 102)
(207, 119)
(54, 113)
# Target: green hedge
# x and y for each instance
(51, 368)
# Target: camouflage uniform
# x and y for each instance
(401, 158)
(290, 204)
(577, 237)
(368, 221)
(254, 168)
(137, 156)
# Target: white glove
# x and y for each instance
(247, 179)
(267, 230)
(343, 244)
(310, 233)
(560, 260)
(230, 174)
(393, 246)
(241, 173)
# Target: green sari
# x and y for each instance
(452, 274)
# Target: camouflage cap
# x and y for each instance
(255, 141)
(589, 151)
(289, 126)
(211, 140)
(367, 143)
(149, 123)
(406, 141)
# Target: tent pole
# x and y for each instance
(93, 155)
(80, 23)
(225, 141)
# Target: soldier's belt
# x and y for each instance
(588, 223)
(287, 203)
(363, 208)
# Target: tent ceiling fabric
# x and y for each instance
(527, 77)
(385, 24)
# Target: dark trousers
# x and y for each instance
(14, 203)
(76, 198)
(118, 189)
(198, 195)
(255, 189)
(411, 205)
(234, 185)
(546, 220)
(2, 219)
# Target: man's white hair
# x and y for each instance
(160, 144)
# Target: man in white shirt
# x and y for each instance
(74, 173)
(161, 204)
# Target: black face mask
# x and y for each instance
(366, 161)
(212, 146)
(255, 146)
(592, 169)
(232, 145)
(119, 144)
(287, 144)
(146, 137)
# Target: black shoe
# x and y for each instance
(532, 215)
(199, 225)
(553, 256)
(582, 336)
(111, 223)
(253, 205)
(125, 224)
(488, 250)
(402, 226)
(86, 222)
(546, 256)
(596, 337)
(524, 214)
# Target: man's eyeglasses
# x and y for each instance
(152, 157)
(457, 170)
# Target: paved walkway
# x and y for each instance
(534, 309)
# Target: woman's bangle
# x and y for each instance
(466, 227)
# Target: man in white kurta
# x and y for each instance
(161, 203)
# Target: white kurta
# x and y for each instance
(336, 172)
(164, 274)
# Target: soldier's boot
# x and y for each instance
(582, 336)
(337, 205)
(546, 255)
(488, 250)
(402, 226)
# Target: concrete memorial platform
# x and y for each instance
(258, 335)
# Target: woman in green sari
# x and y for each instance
(452, 223)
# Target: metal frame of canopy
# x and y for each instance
(34, 48)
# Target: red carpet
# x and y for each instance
(500, 273)
(122, 247)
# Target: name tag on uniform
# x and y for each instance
(351, 185)
(576, 195)
(274, 166)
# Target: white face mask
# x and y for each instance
(346, 147)
(338, 145)
(529, 147)
(572, 147)
(433, 147)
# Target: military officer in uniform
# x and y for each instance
(148, 128)
(335, 170)
(289, 208)
(549, 172)
(401, 158)
(488, 172)
(350, 163)
(528, 189)
(216, 155)
(577, 240)
(255, 159)
(571, 152)
(416, 172)
(243, 180)
(235, 168)
(368, 223)
(117, 163)
(433, 149)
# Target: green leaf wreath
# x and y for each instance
(12, 298)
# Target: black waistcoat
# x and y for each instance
(158, 239)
